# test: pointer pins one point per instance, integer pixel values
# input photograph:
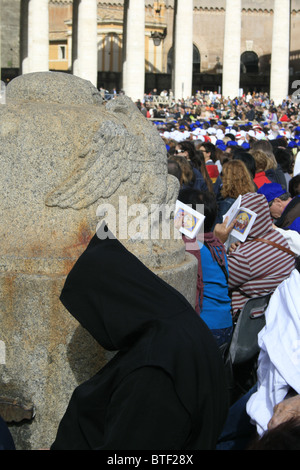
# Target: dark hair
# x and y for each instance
(285, 436)
(194, 197)
(188, 147)
(279, 142)
(198, 162)
(187, 174)
(231, 136)
(285, 159)
(294, 186)
(264, 145)
(174, 169)
(209, 147)
(249, 161)
(284, 196)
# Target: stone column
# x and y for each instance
(279, 83)
(134, 49)
(35, 34)
(183, 49)
(232, 49)
(84, 45)
(24, 59)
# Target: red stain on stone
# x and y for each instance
(73, 251)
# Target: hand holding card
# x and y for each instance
(244, 219)
(187, 220)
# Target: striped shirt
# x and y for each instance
(256, 268)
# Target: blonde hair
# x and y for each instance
(272, 163)
(261, 160)
(266, 147)
(236, 179)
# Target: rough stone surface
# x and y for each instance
(63, 154)
(55, 87)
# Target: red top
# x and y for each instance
(260, 179)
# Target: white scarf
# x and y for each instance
(279, 358)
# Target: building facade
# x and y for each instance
(138, 46)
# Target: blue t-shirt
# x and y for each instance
(216, 305)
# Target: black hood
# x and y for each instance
(128, 308)
(115, 297)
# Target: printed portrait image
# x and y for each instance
(242, 221)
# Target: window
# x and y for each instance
(249, 62)
(62, 52)
(196, 60)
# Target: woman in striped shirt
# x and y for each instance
(256, 267)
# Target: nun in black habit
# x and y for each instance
(165, 388)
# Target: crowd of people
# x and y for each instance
(222, 150)
(166, 388)
(208, 105)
